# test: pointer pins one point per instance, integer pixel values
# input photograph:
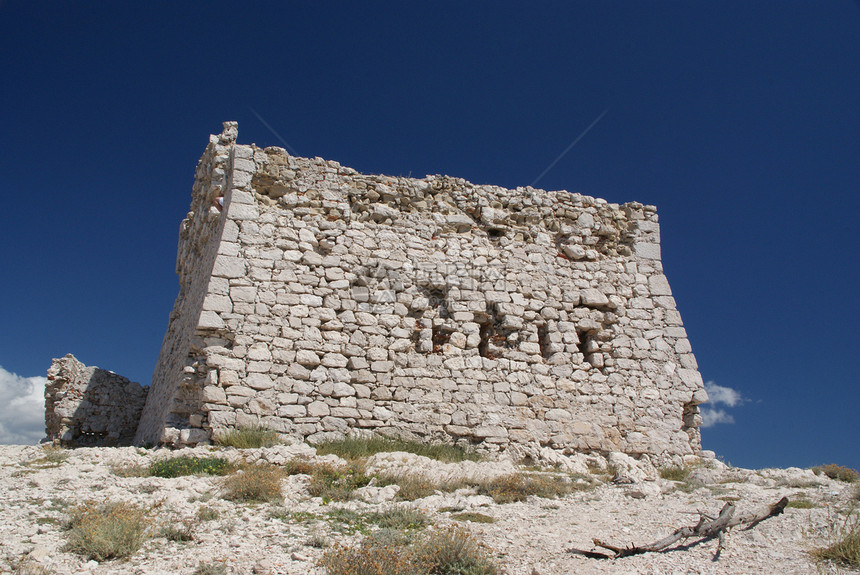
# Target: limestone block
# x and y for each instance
(243, 294)
(334, 360)
(213, 394)
(382, 366)
(293, 411)
(242, 211)
(259, 381)
(260, 406)
(210, 320)
(318, 409)
(217, 303)
(691, 378)
(659, 285)
(228, 267)
(646, 250)
(593, 297)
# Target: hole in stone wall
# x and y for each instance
(543, 341)
(438, 300)
(585, 341)
(486, 333)
(441, 336)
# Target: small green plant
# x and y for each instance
(400, 518)
(103, 531)
(675, 472)
(800, 504)
(184, 465)
(248, 438)
(336, 483)
(837, 472)
(211, 568)
(353, 448)
(845, 546)
(348, 521)
(473, 516)
(518, 486)
(255, 483)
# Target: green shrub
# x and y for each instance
(845, 548)
(800, 504)
(357, 448)
(184, 465)
(838, 472)
(103, 531)
(255, 483)
(248, 438)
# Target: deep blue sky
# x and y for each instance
(739, 120)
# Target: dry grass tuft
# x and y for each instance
(248, 438)
(103, 531)
(353, 448)
(845, 549)
(450, 551)
(837, 472)
(518, 486)
(255, 483)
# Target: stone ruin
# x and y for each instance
(88, 406)
(320, 302)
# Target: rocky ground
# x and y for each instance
(38, 487)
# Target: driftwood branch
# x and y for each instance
(706, 529)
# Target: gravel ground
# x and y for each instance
(37, 488)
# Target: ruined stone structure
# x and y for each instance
(88, 406)
(319, 301)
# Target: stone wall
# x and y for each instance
(432, 308)
(88, 406)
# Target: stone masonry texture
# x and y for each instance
(321, 302)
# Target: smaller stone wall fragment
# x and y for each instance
(90, 407)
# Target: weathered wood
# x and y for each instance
(705, 529)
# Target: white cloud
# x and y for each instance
(719, 395)
(726, 395)
(711, 417)
(22, 409)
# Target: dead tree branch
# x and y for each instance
(705, 530)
